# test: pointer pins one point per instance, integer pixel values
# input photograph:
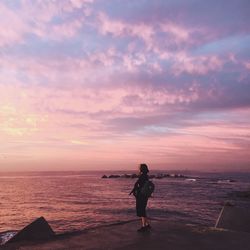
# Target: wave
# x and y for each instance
(225, 181)
(191, 179)
(5, 236)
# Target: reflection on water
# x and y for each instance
(73, 201)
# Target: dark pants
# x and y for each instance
(141, 203)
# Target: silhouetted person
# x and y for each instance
(141, 200)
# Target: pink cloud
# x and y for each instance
(61, 31)
(179, 33)
(174, 34)
(45, 120)
(199, 65)
(159, 87)
(86, 100)
(119, 28)
(247, 65)
(12, 27)
(36, 18)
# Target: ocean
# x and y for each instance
(72, 201)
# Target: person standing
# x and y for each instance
(141, 200)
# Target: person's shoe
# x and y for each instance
(142, 229)
(148, 227)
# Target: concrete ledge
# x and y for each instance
(234, 217)
(164, 235)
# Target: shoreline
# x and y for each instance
(79, 231)
(123, 236)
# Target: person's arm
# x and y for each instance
(135, 187)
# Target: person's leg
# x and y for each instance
(144, 218)
(143, 221)
(141, 204)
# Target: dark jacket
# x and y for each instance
(139, 184)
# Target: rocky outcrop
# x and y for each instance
(37, 230)
(157, 176)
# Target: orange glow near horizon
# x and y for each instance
(46, 141)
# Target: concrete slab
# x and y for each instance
(164, 235)
(233, 217)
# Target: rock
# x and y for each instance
(114, 176)
(127, 175)
(158, 176)
(37, 230)
(134, 176)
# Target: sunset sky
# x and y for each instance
(107, 84)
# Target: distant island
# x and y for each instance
(157, 176)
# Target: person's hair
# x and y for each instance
(144, 168)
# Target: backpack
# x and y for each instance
(148, 188)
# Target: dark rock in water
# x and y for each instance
(158, 176)
(161, 176)
(178, 176)
(126, 176)
(37, 230)
(151, 176)
(129, 176)
(114, 176)
(134, 176)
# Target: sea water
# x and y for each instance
(72, 201)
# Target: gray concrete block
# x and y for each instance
(233, 217)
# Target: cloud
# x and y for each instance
(38, 18)
(164, 80)
(15, 122)
(200, 65)
(12, 27)
(173, 34)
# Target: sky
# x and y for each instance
(108, 84)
